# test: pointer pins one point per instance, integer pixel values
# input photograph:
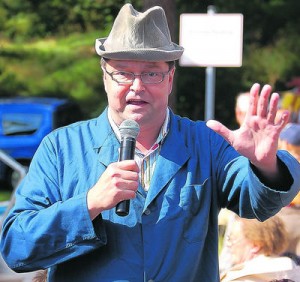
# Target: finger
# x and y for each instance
(126, 195)
(127, 190)
(220, 129)
(125, 180)
(117, 175)
(131, 175)
(273, 108)
(128, 165)
(252, 110)
(283, 119)
(263, 101)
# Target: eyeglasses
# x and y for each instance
(124, 77)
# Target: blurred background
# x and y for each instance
(47, 49)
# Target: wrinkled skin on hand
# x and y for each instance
(257, 138)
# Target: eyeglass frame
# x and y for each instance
(171, 66)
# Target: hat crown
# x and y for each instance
(134, 30)
(139, 36)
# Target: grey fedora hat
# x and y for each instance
(139, 37)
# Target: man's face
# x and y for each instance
(139, 101)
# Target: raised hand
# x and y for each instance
(257, 138)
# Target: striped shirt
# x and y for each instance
(146, 162)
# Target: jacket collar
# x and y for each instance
(105, 142)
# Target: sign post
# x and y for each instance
(211, 40)
(210, 83)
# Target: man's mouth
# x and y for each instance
(136, 102)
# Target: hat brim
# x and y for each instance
(171, 53)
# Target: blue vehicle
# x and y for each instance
(24, 121)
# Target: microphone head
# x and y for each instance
(129, 128)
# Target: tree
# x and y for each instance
(47, 48)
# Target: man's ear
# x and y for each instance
(171, 79)
(104, 75)
(255, 249)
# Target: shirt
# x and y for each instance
(146, 162)
(171, 232)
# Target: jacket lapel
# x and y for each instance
(173, 156)
(105, 142)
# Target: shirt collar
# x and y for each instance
(164, 129)
(113, 125)
(162, 134)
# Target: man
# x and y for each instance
(241, 106)
(65, 219)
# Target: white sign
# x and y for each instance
(211, 40)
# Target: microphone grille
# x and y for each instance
(129, 128)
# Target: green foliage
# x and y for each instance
(272, 68)
(66, 67)
(24, 20)
(8, 82)
(46, 48)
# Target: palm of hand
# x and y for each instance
(257, 138)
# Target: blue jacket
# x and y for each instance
(171, 233)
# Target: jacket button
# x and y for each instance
(147, 212)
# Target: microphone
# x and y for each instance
(129, 130)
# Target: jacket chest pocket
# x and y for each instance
(195, 201)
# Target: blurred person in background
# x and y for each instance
(289, 140)
(290, 99)
(256, 249)
(241, 106)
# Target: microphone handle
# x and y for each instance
(127, 150)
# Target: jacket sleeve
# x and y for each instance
(242, 191)
(44, 227)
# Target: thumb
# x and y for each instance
(220, 129)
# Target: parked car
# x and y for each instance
(24, 121)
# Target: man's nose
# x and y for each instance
(137, 83)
